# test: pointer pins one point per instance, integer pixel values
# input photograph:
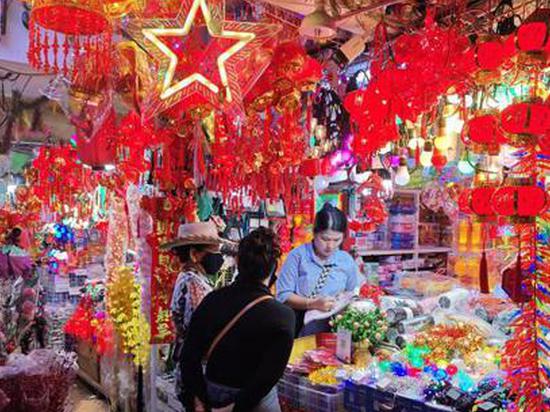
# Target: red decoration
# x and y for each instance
(513, 282)
(291, 71)
(483, 134)
(166, 213)
(480, 202)
(371, 292)
(525, 122)
(490, 55)
(519, 201)
(204, 61)
(532, 36)
(60, 31)
(100, 149)
(438, 160)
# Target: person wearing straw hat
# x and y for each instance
(198, 248)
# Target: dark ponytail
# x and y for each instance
(330, 218)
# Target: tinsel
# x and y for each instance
(117, 236)
(124, 307)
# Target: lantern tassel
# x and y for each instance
(483, 270)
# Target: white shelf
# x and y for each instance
(418, 251)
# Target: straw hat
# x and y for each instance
(201, 233)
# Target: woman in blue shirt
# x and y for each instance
(314, 273)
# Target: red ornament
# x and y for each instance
(480, 202)
(438, 160)
(60, 31)
(100, 150)
(490, 55)
(525, 122)
(519, 201)
(464, 201)
(483, 134)
(204, 61)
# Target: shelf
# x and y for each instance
(419, 251)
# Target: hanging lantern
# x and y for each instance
(480, 202)
(525, 122)
(482, 133)
(62, 30)
(489, 56)
(520, 200)
(532, 38)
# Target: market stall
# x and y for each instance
(426, 124)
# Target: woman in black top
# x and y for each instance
(248, 361)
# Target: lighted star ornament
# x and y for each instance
(203, 61)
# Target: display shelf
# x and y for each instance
(418, 251)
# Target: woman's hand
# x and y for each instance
(322, 303)
(228, 408)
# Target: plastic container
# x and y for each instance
(299, 396)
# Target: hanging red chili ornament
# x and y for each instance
(62, 30)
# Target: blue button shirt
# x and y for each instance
(302, 269)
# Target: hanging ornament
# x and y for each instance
(532, 38)
(62, 30)
(100, 150)
(203, 61)
(525, 122)
(482, 133)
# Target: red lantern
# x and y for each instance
(519, 202)
(100, 149)
(524, 122)
(532, 37)
(490, 55)
(59, 29)
(480, 202)
(483, 134)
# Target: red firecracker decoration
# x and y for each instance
(60, 31)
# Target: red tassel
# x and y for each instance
(483, 274)
(65, 54)
(55, 48)
(46, 50)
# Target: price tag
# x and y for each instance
(343, 345)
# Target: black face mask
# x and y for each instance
(272, 276)
(212, 263)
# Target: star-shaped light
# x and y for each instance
(202, 59)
